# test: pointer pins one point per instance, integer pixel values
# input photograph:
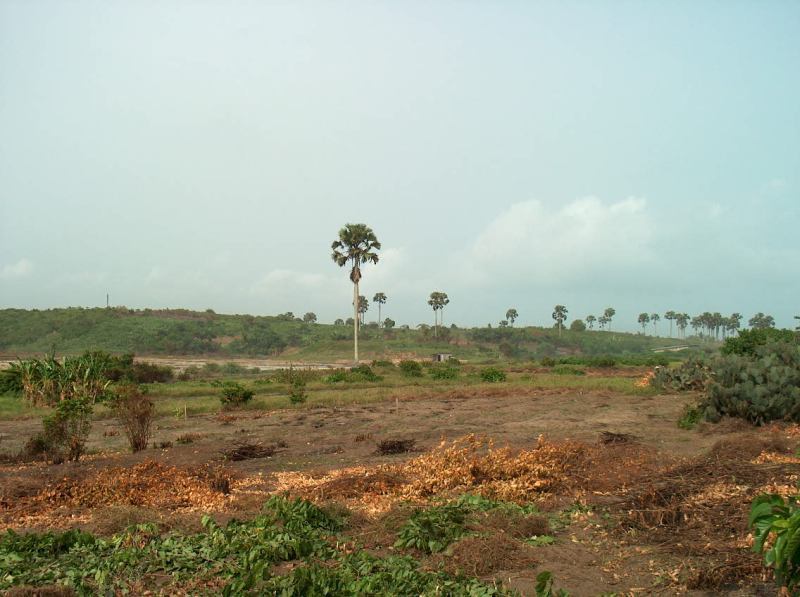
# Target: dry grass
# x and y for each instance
(482, 555)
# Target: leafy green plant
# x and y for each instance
(690, 417)
(432, 530)
(297, 392)
(235, 394)
(492, 375)
(773, 517)
(411, 368)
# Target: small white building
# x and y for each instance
(442, 357)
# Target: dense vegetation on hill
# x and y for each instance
(184, 332)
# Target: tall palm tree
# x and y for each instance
(357, 245)
(590, 319)
(655, 318)
(560, 315)
(644, 319)
(511, 315)
(670, 316)
(602, 321)
(609, 315)
(379, 298)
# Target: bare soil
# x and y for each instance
(602, 550)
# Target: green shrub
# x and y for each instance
(235, 394)
(64, 433)
(547, 362)
(690, 417)
(383, 364)
(691, 376)
(493, 375)
(338, 376)
(759, 389)
(411, 368)
(359, 374)
(444, 372)
(297, 392)
(363, 373)
(747, 341)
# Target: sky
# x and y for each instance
(204, 154)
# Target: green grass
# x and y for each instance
(200, 397)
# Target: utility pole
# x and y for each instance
(107, 304)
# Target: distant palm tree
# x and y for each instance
(644, 319)
(379, 298)
(511, 315)
(609, 315)
(682, 319)
(798, 327)
(602, 321)
(363, 307)
(357, 245)
(438, 300)
(560, 315)
(655, 317)
(734, 322)
(590, 319)
(761, 321)
(670, 316)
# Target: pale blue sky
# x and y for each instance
(204, 154)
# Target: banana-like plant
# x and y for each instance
(772, 516)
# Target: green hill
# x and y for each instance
(184, 332)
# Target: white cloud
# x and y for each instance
(530, 242)
(282, 280)
(20, 269)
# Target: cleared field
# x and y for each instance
(614, 496)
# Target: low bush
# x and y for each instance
(135, 412)
(759, 389)
(411, 368)
(297, 392)
(383, 364)
(492, 375)
(691, 376)
(547, 362)
(444, 372)
(64, 433)
(235, 394)
(690, 417)
(748, 341)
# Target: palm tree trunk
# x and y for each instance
(355, 322)
(379, 314)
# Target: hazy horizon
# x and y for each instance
(180, 154)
